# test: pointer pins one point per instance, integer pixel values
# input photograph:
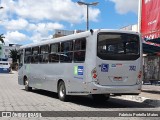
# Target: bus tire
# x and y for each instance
(26, 83)
(62, 91)
(100, 98)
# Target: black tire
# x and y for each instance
(100, 98)
(26, 83)
(62, 91)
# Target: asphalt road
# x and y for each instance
(13, 97)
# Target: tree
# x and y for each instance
(2, 38)
(14, 55)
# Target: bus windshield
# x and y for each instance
(118, 46)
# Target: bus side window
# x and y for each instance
(20, 58)
(28, 53)
(44, 54)
(79, 50)
(35, 52)
(54, 52)
(66, 54)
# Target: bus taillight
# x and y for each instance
(139, 77)
(139, 74)
(94, 75)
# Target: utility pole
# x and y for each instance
(88, 4)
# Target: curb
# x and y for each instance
(149, 101)
(13, 72)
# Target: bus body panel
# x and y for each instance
(46, 77)
(118, 73)
(119, 90)
(119, 60)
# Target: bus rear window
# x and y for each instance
(118, 46)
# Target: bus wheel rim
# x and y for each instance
(26, 83)
(62, 91)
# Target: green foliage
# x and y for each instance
(14, 55)
(2, 38)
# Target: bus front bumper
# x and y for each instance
(117, 90)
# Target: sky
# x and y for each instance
(30, 21)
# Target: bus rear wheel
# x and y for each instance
(62, 91)
(26, 83)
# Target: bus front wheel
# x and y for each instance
(27, 88)
(62, 91)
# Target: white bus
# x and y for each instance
(96, 62)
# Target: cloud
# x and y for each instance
(15, 24)
(14, 37)
(37, 31)
(42, 30)
(125, 6)
(55, 10)
(37, 19)
(51, 26)
(42, 27)
(39, 37)
(36, 37)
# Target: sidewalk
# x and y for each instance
(155, 88)
(13, 72)
(150, 95)
(151, 91)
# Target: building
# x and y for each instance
(60, 33)
(1, 50)
(131, 27)
(5, 51)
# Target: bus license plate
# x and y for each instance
(118, 78)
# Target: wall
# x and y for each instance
(151, 68)
(1, 51)
(131, 27)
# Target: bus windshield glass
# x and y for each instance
(118, 46)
